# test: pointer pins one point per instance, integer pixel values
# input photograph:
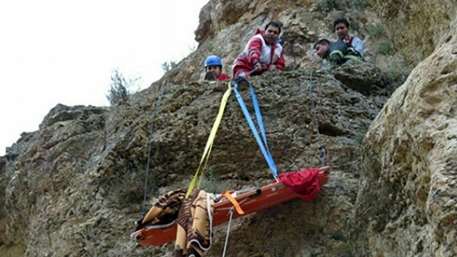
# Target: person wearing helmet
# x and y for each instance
(213, 68)
(263, 52)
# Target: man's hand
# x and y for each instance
(346, 39)
(258, 66)
(210, 76)
(352, 51)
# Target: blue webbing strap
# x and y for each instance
(258, 115)
(260, 141)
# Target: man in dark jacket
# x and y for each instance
(336, 52)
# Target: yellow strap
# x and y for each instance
(209, 144)
(234, 202)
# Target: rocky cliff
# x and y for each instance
(410, 158)
(75, 186)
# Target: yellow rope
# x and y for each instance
(195, 182)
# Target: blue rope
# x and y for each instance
(259, 117)
(258, 114)
(262, 142)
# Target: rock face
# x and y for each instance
(416, 28)
(75, 187)
(410, 158)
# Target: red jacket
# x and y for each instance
(223, 77)
(257, 50)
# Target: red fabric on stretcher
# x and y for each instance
(304, 182)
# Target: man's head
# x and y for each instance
(213, 65)
(341, 27)
(272, 31)
(321, 47)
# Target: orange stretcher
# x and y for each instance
(250, 202)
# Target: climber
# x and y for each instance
(322, 48)
(334, 52)
(213, 69)
(354, 44)
(263, 52)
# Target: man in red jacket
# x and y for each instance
(213, 67)
(262, 53)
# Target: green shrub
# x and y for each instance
(120, 88)
(397, 71)
(359, 4)
(326, 5)
(375, 30)
(385, 47)
(167, 66)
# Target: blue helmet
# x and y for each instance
(213, 60)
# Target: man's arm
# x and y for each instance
(254, 50)
(358, 45)
(281, 63)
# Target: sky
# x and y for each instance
(64, 51)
